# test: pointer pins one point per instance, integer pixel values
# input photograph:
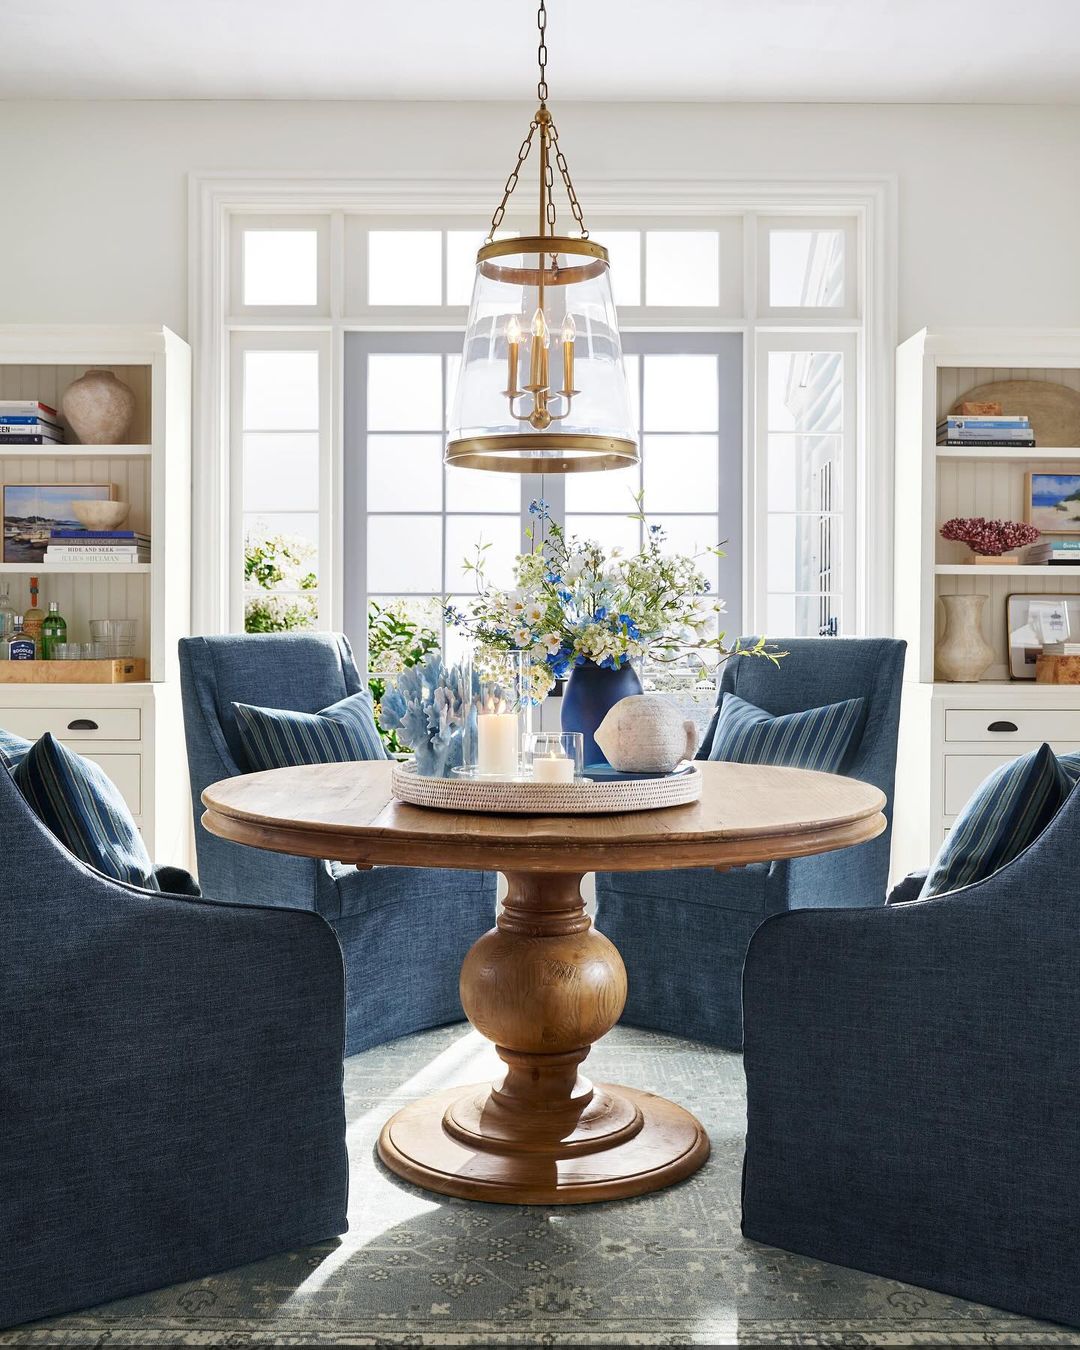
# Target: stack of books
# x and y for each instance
(76, 548)
(1056, 552)
(989, 430)
(24, 421)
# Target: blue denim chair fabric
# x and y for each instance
(172, 1081)
(913, 1084)
(404, 931)
(683, 934)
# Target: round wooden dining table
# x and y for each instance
(544, 983)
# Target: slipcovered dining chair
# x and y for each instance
(683, 934)
(404, 931)
(913, 1083)
(171, 1075)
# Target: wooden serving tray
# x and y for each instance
(119, 671)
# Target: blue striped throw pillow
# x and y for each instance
(1007, 813)
(13, 749)
(818, 738)
(83, 808)
(277, 738)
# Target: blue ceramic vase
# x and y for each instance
(590, 692)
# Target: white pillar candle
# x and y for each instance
(553, 769)
(497, 748)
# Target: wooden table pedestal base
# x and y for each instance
(544, 985)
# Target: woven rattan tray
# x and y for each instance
(544, 799)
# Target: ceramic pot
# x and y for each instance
(646, 733)
(963, 653)
(99, 408)
(590, 693)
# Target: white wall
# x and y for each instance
(97, 229)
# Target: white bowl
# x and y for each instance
(101, 515)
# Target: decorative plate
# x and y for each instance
(1054, 409)
(524, 797)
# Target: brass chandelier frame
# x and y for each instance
(543, 449)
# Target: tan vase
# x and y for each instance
(99, 408)
(963, 654)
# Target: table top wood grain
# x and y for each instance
(747, 813)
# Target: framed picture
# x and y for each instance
(33, 510)
(1052, 502)
(1033, 620)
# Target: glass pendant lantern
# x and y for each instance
(542, 388)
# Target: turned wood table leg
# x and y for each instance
(543, 985)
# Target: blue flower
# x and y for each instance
(538, 507)
(565, 596)
(600, 614)
(559, 662)
(629, 627)
(552, 578)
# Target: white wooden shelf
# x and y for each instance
(1007, 453)
(76, 451)
(1006, 570)
(133, 731)
(938, 766)
(57, 569)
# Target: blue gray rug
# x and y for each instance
(666, 1269)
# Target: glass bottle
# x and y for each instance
(7, 619)
(20, 646)
(34, 618)
(53, 630)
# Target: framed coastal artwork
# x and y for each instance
(33, 510)
(1053, 502)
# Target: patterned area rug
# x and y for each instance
(666, 1269)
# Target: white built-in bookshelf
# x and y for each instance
(137, 731)
(954, 734)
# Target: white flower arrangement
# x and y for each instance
(574, 603)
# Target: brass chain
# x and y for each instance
(542, 53)
(551, 132)
(564, 170)
(512, 181)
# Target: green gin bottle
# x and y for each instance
(53, 630)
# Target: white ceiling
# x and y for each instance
(905, 51)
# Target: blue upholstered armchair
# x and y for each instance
(913, 1084)
(683, 934)
(404, 931)
(171, 1079)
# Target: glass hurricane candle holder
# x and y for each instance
(502, 699)
(554, 757)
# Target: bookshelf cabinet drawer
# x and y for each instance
(74, 724)
(1003, 726)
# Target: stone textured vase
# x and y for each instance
(646, 733)
(99, 408)
(963, 653)
(590, 692)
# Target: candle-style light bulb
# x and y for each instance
(569, 333)
(513, 351)
(538, 361)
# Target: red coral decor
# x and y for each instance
(991, 538)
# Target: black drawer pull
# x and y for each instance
(1003, 726)
(85, 724)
